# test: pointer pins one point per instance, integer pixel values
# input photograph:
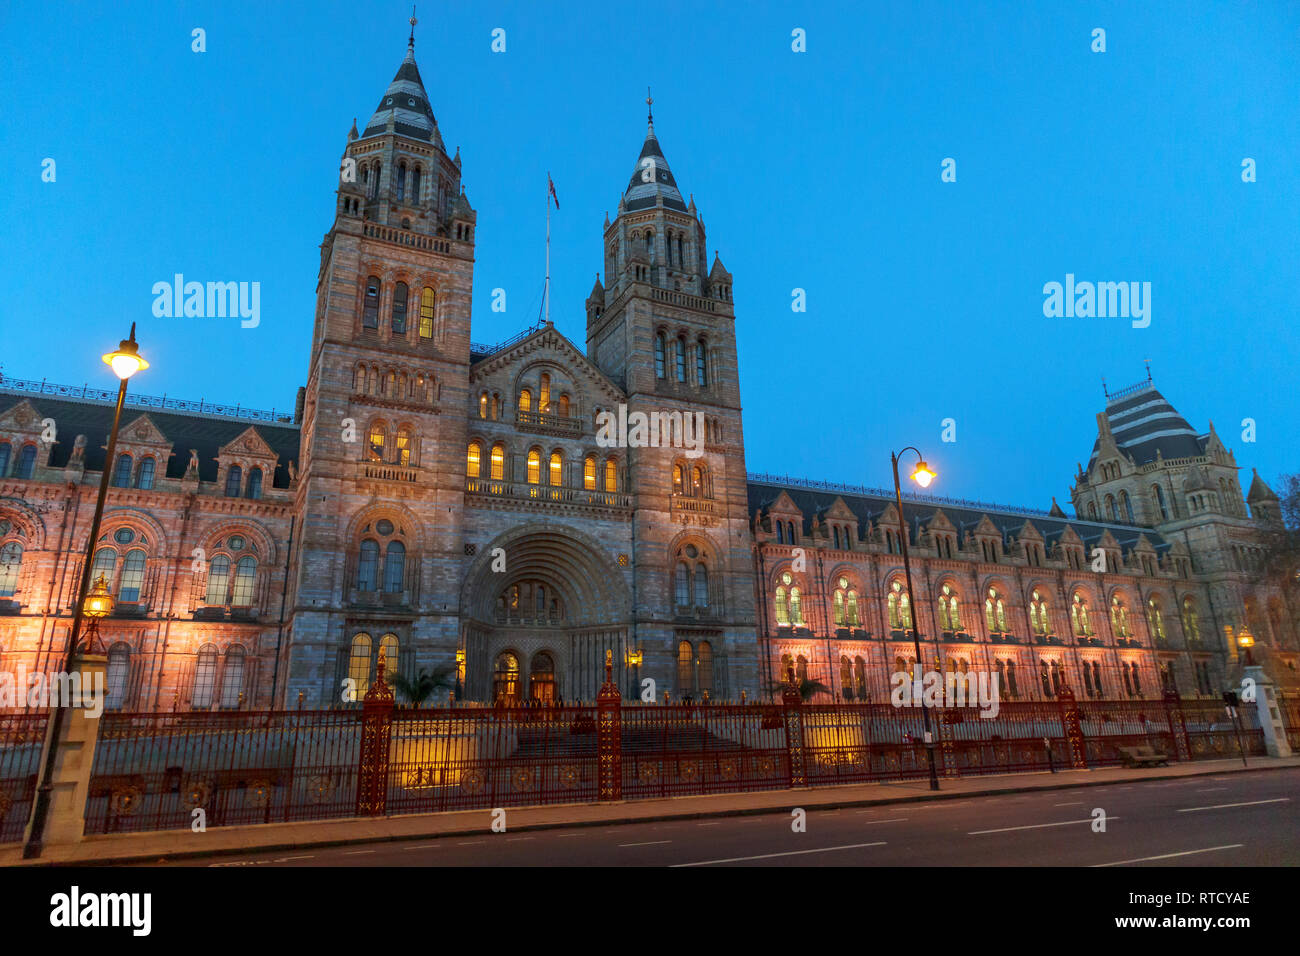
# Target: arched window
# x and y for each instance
(232, 677)
(26, 462)
(697, 482)
(789, 531)
(685, 669)
(144, 474)
(534, 466)
(1110, 508)
(782, 607)
(218, 580)
(1038, 618)
(1079, 617)
(701, 586)
(544, 394)
(132, 577)
(399, 187)
(1158, 494)
(395, 567)
(11, 562)
(677, 479)
(681, 360)
(701, 364)
(780, 532)
(426, 313)
(589, 473)
(995, 615)
(505, 678)
(359, 666)
(388, 648)
(704, 675)
(838, 604)
(1119, 617)
(368, 566)
(949, 609)
(7, 451)
(378, 439)
(255, 483)
(1191, 622)
(851, 609)
(796, 608)
(402, 451)
(682, 584)
(1126, 506)
(525, 400)
(205, 677)
(611, 474)
(105, 566)
(557, 468)
(415, 185)
(498, 461)
(659, 355)
(234, 481)
(1157, 619)
(119, 668)
(241, 592)
(370, 308)
(474, 460)
(122, 473)
(900, 611)
(400, 293)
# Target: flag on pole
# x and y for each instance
(550, 186)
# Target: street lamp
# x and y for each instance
(1246, 641)
(922, 475)
(125, 361)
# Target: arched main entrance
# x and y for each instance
(541, 677)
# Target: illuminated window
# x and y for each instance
(838, 603)
(685, 669)
(474, 460)
(589, 473)
(11, 561)
(426, 313)
(851, 609)
(782, 607)
(1038, 617)
(525, 400)
(359, 666)
(388, 648)
(557, 468)
(378, 439)
(611, 475)
(900, 611)
(483, 405)
(995, 615)
(949, 611)
(544, 394)
(498, 461)
(241, 594)
(1119, 617)
(1191, 622)
(232, 677)
(677, 479)
(132, 577)
(796, 608)
(403, 446)
(218, 579)
(534, 466)
(1079, 617)
(1157, 619)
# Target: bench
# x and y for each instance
(1142, 756)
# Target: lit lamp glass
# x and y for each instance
(922, 474)
(635, 658)
(98, 603)
(1245, 640)
(126, 360)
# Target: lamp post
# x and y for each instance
(125, 362)
(922, 475)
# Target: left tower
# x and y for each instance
(380, 492)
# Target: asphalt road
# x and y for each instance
(1234, 820)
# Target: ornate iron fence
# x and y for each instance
(22, 736)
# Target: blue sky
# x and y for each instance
(818, 170)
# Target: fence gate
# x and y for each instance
(1072, 728)
(376, 734)
(1177, 725)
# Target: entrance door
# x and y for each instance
(541, 677)
(505, 679)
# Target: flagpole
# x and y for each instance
(546, 295)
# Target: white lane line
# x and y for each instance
(1035, 826)
(568, 836)
(1210, 789)
(893, 820)
(357, 852)
(1074, 803)
(1167, 856)
(517, 839)
(647, 843)
(715, 824)
(469, 843)
(423, 846)
(768, 856)
(1224, 806)
(286, 859)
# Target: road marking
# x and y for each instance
(893, 820)
(1034, 826)
(357, 852)
(768, 856)
(715, 824)
(517, 839)
(568, 836)
(1210, 789)
(286, 859)
(1166, 856)
(648, 843)
(1224, 806)
(423, 846)
(469, 843)
(1075, 803)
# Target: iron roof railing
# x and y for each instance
(109, 396)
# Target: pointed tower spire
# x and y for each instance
(406, 102)
(652, 181)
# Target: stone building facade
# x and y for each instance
(457, 506)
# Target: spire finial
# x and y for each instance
(1103, 387)
(1148, 365)
(411, 43)
(649, 106)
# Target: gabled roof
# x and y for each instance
(641, 194)
(407, 103)
(1259, 490)
(206, 434)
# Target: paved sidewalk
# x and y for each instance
(173, 844)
